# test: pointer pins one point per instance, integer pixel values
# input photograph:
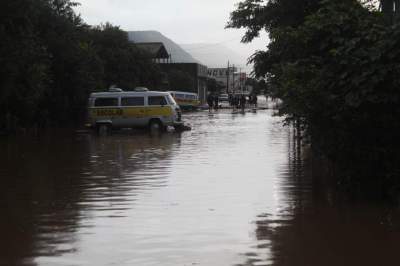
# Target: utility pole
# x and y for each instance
(227, 80)
(233, 73)
(240, 80)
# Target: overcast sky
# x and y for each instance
(183, 21)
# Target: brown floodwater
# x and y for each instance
(236, 190)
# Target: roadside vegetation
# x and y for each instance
(50, 60)
(335, 66)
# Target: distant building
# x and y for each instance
(232, 81)
(170, 57)
(175, 51)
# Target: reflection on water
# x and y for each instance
(236, 190)
(54, 187)
(318, 225)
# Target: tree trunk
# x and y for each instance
(388, 9)
(396, 10)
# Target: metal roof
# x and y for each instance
(155, 49)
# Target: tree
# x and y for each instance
(214, 86)
(259, 86)
(334, 66)
(51, 60)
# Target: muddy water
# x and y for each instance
(235, 190)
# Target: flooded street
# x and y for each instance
(233, 191)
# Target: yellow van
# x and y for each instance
(186, 100)
(130, 109)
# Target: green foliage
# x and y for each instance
(24, 60)
(51, 60)
(257, 15)
(124, 65)
(259, 86)
(336, 71)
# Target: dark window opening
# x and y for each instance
(132, 101)
(157, 100)
(106, 102)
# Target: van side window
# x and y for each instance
(106, 102)
(132, 101)
(157, 100)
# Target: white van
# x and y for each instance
(128, 109)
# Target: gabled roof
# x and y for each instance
(155, 49)
(177, 54)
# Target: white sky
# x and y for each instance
(183, 21)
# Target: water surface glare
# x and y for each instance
(233, 191)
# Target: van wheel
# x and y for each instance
(155, 125)
(104, 129)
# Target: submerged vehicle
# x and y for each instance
(132, 109)
(186, 100)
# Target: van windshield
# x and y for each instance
(171, 100)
